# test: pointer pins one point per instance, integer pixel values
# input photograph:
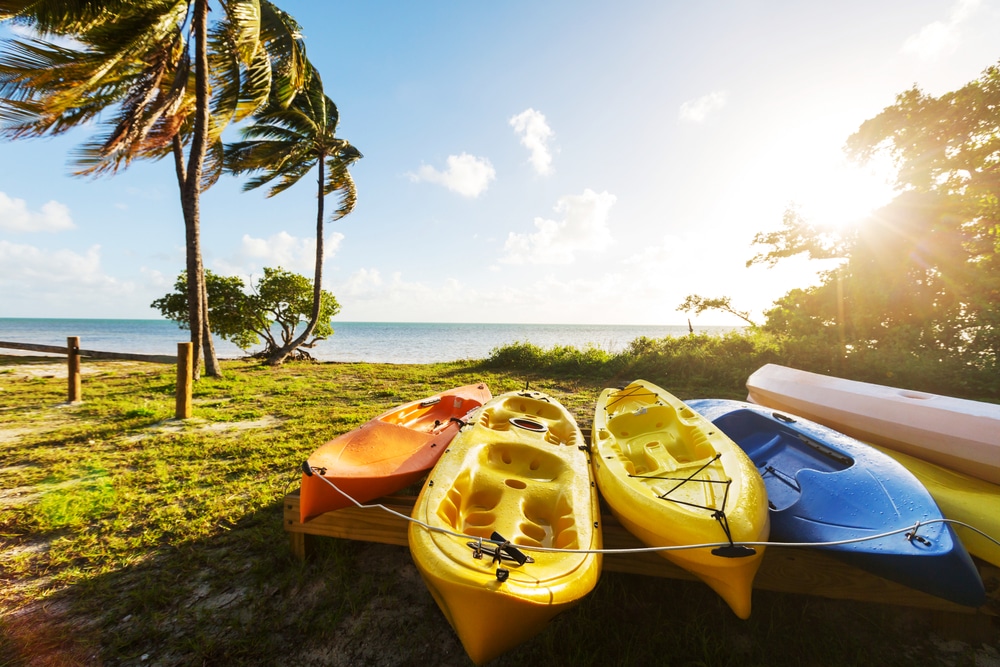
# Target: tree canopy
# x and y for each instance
(154, 78)
(921, 274)
(286, 143)
(271, 310)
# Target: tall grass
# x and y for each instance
(718, 366)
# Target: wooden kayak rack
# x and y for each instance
(783, 569)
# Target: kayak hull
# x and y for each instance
(825, 487)
(519, 473)
(962, 498)
(387, 453)
(673, 479)
(954, 433)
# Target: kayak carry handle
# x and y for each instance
(309, 470)
(505, 547)
(734, 551)
(503, 550)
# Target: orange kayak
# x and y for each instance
(387, 453)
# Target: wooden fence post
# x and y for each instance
(73, 367)
(184, 373)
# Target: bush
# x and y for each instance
(697, 365)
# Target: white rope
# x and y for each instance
(683, 547)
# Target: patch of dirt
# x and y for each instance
(18, 495)
(14, 434)
(51, 420)
(45, 370)
(195, 424)
(400, 627)
(952, 653)
(37, 634)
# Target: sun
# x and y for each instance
(843, 195)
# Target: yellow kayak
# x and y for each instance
(672, 478)
(516, 477)
(962, 498)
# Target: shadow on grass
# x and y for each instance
(239, 597)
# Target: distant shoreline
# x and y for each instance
(373, 342)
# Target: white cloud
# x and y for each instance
(584, 226)
(29, 264)
(363, 282)
(368, 296)
(940, 38)
(698, 110)
(157, 279)
(466, 174)
(535, 134)
(282, 249)
(36, 282)
(15, 216)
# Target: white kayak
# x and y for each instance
(955, 433)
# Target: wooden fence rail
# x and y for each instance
(73, 354)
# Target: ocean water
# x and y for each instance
(375, 342)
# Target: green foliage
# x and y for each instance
(128, 68)
(278, 303)
(920, 279)
(561, 358)
(797, 236)
(700, 365)
(156, 78)
(688, 365)
(284, 143)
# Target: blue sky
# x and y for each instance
(525, 162)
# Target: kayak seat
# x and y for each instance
(513, 489)
(555, 430)
(653, 439)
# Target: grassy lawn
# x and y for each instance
(127, 538)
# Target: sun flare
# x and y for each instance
(843, 195)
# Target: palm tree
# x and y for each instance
(172, 79)
(285, 144)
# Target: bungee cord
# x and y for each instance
(911, 533)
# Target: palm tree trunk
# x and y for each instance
(188, 209)
(212, 366)
(190, 198)
(279, 356)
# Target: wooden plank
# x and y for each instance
(91, 354)
(353, 523)
(783, 569)
(32, 347)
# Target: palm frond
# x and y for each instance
(243, 25)
(61, 16)
(287, 164)
(225, 73)
(213, 166)
(292, 172)
(340, 182)
(247, 156)
(255, 86)
(282, 37)
(286, 125)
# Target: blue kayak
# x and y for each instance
(824, 486)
